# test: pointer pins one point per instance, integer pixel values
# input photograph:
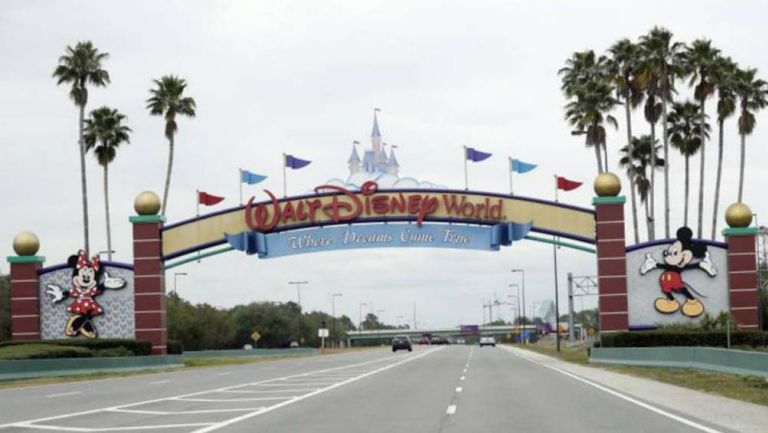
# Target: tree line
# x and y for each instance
(647, 72)
(104, 130)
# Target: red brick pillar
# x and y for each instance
(25, 287)
(149, 281)
(611, 263)
(742, 277)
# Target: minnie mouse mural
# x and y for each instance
(681, 255)
(89, 279)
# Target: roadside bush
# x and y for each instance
(43, 351)
(135, 347)
(112, 352)
(685, 338)
(175, 347)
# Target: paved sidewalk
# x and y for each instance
(733, 415)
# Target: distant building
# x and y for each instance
(375, 160)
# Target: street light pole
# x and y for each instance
(176, 274)
(335, 340)
(360, 317)
(525, 321)
(298, 289)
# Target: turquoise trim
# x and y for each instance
(740, 231)
(197, 257)
(740, 362)
(255, 353)
(609, 200)
(26, 259)
(146, 219)
(561, 244)
(30, 368)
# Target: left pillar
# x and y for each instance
(149, 272)
(25, 287)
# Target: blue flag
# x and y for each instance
(476, 155)
(520, 166)
(250, 178)
(295, 163)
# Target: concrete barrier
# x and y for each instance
(31, 368)
(252, 352)
(705, 358)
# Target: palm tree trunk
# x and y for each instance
(741, 165)
(687, 189)
(605, 156)
(700, 228)
(629, 172)
(599, 158)
(652, 186)
(666, 163)
(83, 183)
(719, 174)
(106, 211)
(168, 173)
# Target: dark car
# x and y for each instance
(401, 342)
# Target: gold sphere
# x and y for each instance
(147, 203)
(607, 184)
(738, 215)
(26, 243)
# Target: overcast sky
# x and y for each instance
(304, 77)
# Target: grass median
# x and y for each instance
(752, 389)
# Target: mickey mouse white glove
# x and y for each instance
(113, 283)
(648, 265)
(56, 293)
(707, 265)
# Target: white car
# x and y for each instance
(487, 340)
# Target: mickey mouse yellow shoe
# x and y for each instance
(664, 305)
(69, 331)
(693, 308)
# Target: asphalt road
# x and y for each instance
(432, 389)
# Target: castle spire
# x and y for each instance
(375, 132)
(376, 137)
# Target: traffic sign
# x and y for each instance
(255, 336)
(322, 333)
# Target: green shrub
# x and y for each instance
(135, 347)
(175, 347)
(683, 338)
(42, 351)
(112, 352)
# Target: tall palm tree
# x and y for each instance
(584, 77)
(80, 67)
(168, 100)
(723, 77)
(652, 113)
(686, 129)
(624, 68)
(752, 94)
(637, 162)
(662, 60)
(104, 133)
(700, 60)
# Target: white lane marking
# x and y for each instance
(216, 400)
(462, 377)
(625, 397)
(30, 423)
(312, 394)
(262, 391)
(465, 370)
(63, 394)
(159, 382)
(451, 409)
(182, 412)
(224, 373)
(100, 429)
(459, 389)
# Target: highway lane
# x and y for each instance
(433, 389)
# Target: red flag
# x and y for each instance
(208, 199)
(567, 185)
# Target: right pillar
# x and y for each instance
(744, 299)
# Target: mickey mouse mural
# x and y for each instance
(89, 280)
(680, 256)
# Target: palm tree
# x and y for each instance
(700, 60)
(652, 113)
(723, 78)
(752, 94)
(586, 83)
(636, 162)
(623, 67)
(662, 60)
(685, 134)
(79, 67)
(104, 133)
(167, 100)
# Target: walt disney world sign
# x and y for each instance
(280, 226)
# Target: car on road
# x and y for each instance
(401, 342)
(488, 340)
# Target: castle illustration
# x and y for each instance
(375, 160)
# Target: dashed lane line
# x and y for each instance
(451, 409)
(63, 394)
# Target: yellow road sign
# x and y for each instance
(255, 336)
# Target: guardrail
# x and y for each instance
(741, 362)
(30, 368)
